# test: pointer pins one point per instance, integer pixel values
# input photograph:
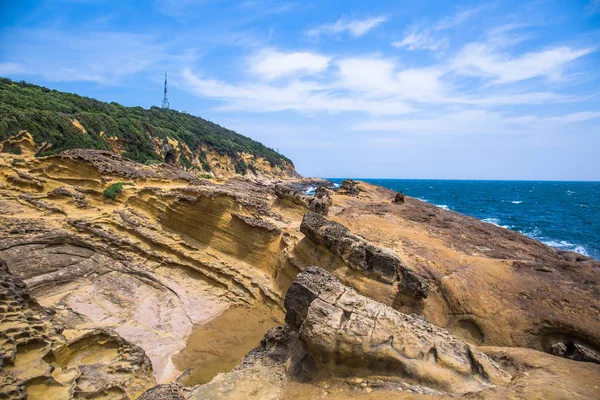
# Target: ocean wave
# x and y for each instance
(310, 191)
(516, 201)
(536, 234)
(564, 245)
(337, 185)
(495, 221)
(442, 206)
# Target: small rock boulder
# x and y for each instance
(399, 198)
(350, 188)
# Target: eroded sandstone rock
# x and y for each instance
(381, 263)
(349, 187)
(347, 332)
(318, 203)
(37, 357)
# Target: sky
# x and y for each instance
(364, 89)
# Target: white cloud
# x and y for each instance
(462, 122)
(470, 122)
(460, 17)
(422, 41)
(577, 117)
(272, 64)
(356, 27)
(301, 96)
(9, 68)
(420, 37)
(479, 59)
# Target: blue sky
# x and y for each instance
(396, 89)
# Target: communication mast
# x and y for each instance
(165, 103)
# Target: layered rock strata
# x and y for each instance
(381, 263)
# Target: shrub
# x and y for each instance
(205, 176)
(115, 189)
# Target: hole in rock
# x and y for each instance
(170, 157)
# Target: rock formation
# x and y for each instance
(380, 263)
(399, 198)
(350, 187)
(192, 272)
(344, 331)
(39, 358)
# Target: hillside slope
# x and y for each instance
(58, 121)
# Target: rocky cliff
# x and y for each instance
(122, 278)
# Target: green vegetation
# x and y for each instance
(115, 189)
(205, 176)
(48, 115)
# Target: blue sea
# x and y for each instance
(565, 215)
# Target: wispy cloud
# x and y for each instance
(272, 64)
(479, 59)
(470, 122)
(356, 27)
(430, 37)
(9, 68)
(423, 40)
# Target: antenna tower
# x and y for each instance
(165, 103)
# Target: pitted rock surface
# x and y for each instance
(38, 356)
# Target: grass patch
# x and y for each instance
(115, 189)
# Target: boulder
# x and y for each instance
(351, 334)
(399, 198)
(350, 188)
(357, 253)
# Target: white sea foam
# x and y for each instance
(336, 185)
(442, 206)
(310, 191)
(533, 233)
(536, 234)
(564, 245)
(495, 221)
(570, 192)
(516, 201)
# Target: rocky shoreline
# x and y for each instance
(360, 292)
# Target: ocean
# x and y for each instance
(565, 215)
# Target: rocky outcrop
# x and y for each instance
(111, 164)
(575, 351)
(350, 187)
(399, 198)
(380, 263)
(39, 357)
(195, 271)
(350, 333)
(318, 203)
